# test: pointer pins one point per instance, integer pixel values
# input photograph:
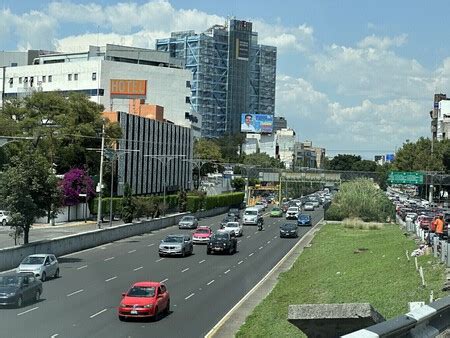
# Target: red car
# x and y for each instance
(201, 235)
(144, 300)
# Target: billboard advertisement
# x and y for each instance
(256, 123)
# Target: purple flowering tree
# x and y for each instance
(76, 182)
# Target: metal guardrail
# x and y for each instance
(426, 321)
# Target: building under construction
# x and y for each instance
(232, 74)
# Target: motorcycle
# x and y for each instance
(260, 226)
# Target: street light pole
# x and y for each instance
(102, 152)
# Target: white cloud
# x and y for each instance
(299, 39)
(382, 42)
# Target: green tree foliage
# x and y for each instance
(62, 127)
(128, 205)
(360, 199)
(182, 201)
(262, 160)
(344, 162)
(231, 147)
(28, 189)
(238, 184)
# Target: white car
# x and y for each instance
(234, 226)
(4, 217)
(309, 206)
(260, 205)
(42, 265)
(292, 213)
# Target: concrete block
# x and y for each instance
(332, 320)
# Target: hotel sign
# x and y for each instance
(128, 89)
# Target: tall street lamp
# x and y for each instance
(199, 163)
(164, 160)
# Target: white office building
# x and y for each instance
(286, 146)
(164, 81)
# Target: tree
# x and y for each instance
(128, 205)
(231, 147)
(27, 188)
(238, 184)
(182, 201)
(63, 127)
(262, 160)
(75, 182)
(344, 162)
(417, 156)
(364, 165)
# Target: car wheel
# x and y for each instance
(183, 253)
(19, 301)
(37, 296)
(122, 318)
(161, 255)
(208, 252)
(56, 275)
(167, 310)
(43, 277)
(156, 316)
(4, 222)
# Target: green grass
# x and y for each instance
(330, 272)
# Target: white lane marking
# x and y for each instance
(204, 260)
(54, 336)
(240, 262)
(249, 236)
(151, 244)
(185, 270)
(275, 237)
(22, 313)
(227, 271)
(164, 280)
(139, 268)
(131, 251)
(82, 267)
(110, 279)
(256, 232)
(260, 248)
(159, 260)
(74, 293)
(251, 254)
(191, 295)
(268, 242)
(209, 283)
(239, 241)
(98, 313)
(108, 259)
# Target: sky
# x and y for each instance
(353, 77)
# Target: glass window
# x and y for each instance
(75, 77)
(188, 99)
(44, 78)
(94, 76)
(188, 84)
(33, 260)
(69, 77)
(20, 79)
(141, 291)
(50, 78)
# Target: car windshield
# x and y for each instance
(9, 280)
(220, 237)
(141, 291)
(232, 225)
(288, 226)
(173, 239)
(33, 260)
(293, 209)
(202, 231)
(187, 219)
(303, 217)
(276, 209)
(251, 212)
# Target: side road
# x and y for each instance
(234, 319)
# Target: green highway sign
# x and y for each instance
(405, 177)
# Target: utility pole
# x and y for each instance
(102, 152)
(3, 87)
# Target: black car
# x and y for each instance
(222, 241)
(234, 212)
(288, 230)
(19, 288)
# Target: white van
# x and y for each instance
(251, 216)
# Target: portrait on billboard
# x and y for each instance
(256, 123)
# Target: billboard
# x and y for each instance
(131, 89)
(256, 123)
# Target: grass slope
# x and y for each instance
(330, 272)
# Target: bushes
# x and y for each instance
(360, 199)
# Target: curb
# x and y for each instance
(235, 318)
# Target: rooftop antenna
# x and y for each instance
(98, 33)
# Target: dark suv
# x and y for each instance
(222, 241)
(234, 212)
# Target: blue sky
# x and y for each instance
(355, 77)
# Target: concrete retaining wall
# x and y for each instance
(11, 257)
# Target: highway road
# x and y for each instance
(203, 288)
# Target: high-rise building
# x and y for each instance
(437, 121)
(279, 122)
(232, 74)
(286, 146)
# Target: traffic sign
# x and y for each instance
(405, 177)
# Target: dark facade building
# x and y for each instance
(232, 74)
(153, 143)
(279, 122)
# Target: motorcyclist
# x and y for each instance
(260, 225)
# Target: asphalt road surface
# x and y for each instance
(203, 288)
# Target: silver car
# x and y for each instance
(41, 265)
(188, 222)
(176, 245)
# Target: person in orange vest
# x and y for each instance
(440, 226)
